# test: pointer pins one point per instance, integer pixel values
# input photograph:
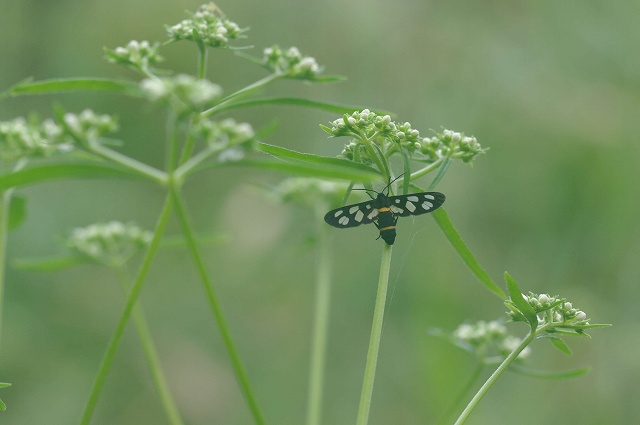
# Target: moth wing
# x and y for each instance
(352, 215)
(416, 203)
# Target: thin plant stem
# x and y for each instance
(202, 61)
(151, 354)
(112, 348)
(374, 341)
(5, 201)
(320, 324)
(494, 377)
(5, 204)
(238, 368)
(242, 92)
(130, 163)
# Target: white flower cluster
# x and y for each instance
(449, 143)
(192, 92)
(208, 25)
(138, 54)
(20, 138)
(87, 126)
(554, 309)
(112, 243)
(227, 136)
(291, 63)
(489, 338)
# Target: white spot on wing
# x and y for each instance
(429, 197)
(396, 210)
(338, 213)
(397, 201)
(353, 209)
(368, 206)
(359, 216)
(412, 198)
(427, 205)
(410, 206)
(344, 220)
(373, 214)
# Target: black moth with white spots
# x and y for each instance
(383, 211)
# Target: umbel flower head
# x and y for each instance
(229, 138)
(112, 243)
(367, 128)
(190, 92)
(208, 26)
(552, 312)
(20, 138)
(140, 55)
(291, 63)
(487, 340)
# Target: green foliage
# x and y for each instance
(3, 406)
(79, 146)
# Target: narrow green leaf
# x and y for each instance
(317, 161)
(17, 211)
(46, 264)
(296, 101)
(444, 222)
(319, 170)
(64, 85)
(547, 374)
(516, 297)
(561, 345)
(44, 172)
(3, 406)
(406, 163)
(442, 170)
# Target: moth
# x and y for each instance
(384, 210)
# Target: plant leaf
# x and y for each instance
(547, 374)
(445, 224)
(341, 167)
(560, 345)
(44, 172)
(320, 170)
(442, 170)
(63, 85)
(518, 300)
(297, 101)
(46, 264)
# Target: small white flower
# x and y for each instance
(580, 316)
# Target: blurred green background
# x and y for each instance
(552, 88)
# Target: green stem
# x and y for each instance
(5, 204)
(494, 377)
(242, 92)
(151, 354)
(320, 324)
(189, 143)
(130, 163)
(374, 341)
(212, 297)
(5, 201)
(202, 61)
(426, 170)
(126, 313)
